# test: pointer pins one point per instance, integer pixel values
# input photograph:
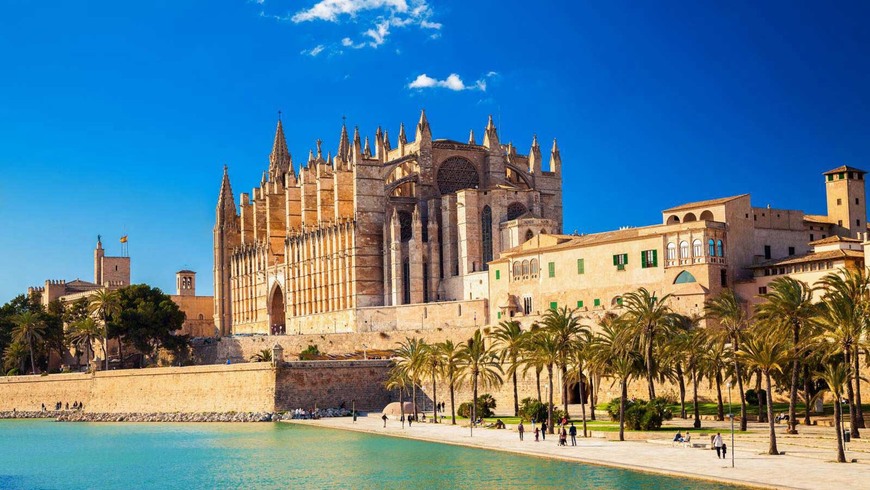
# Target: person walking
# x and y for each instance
(537, 431)
(717, 443)
(724, 450)
(384, 417)
(573, 433)
(544, 430)
(521, 429)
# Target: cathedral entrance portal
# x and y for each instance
(277, 317)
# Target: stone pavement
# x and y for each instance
(804, 466)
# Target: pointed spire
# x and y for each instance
(423, 131)
(343, 144)
(226, 203)
(535, 158)
(555, 158)
(310, 156)
(471, 140)
(320, 149)
(402, 138)
(386, 143)
(379, 145)
(367, 150)
(357, 146)
(280, 161)
(490, 137)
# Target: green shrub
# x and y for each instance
(485, 406)
(532, 409)
(311, 352)
(641, 414)
(752, 397)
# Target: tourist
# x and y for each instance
(678, 437)
(724, 450)
(717, 443)
(688, 438)
(563, 437)
(536, 433)
(573, 433)
(43, 407)
(521, 429)
(385, 420)
(410, 418)
(544, 430)
(67, 405)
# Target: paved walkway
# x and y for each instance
(804, 466)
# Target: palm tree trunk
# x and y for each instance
(550, 406)
(452, 400)
(414, 398)
(32, 362)
(538, 382)
(474, 406)
(623, 395)
(434, 398)
(593, 396)
(761, 400)
(792, 399)
(838, 415)
(807, 396)
(516, 396)
(720, 408)
(697, 423)
(583, 403)
(682, 390)
(738, 372)
(772, 449)
(850, 392)
(859, 412)
(120, 353)
(402, 405)
(565, 388)
(649, 369)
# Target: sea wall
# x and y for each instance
(332, 384)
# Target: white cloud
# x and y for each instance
(452, 82)
(331, 10)
(316, 50)
(378, 34)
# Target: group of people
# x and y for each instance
(301, 413)
(683, 439)
(60, 406)
(566, 429)
(716, 441)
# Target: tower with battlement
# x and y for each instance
(373, 233)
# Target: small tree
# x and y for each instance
(836, 375)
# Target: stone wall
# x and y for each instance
(332, 384)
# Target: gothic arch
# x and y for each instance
(276, 307)
(405, 230)
(515, 210)
(486, 235)
(457, 173)
(515, 176)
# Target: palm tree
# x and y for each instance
(728, 309)
(451, 364)
(650, 319)
(835, 375)
(567, 331)
(713, 360)
(399, 380)
(105, 304)
(431, 365)
(544, 351)
(264, 355)
(765, 352)
(613, 357)
(789, 303)
(83, 333)
(29, 328)
(410, 357)
(577, 362)
(14, 358)
(479, 364)
(696, 343)
(509, 340)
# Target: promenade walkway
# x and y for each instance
(804, 466)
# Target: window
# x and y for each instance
(497, 275)
(684, 249)
(533, 267)
(554, 305)
(723, 277)
(720, 248)
(580, 304)
(767, 254)
(596, 302)
(552, 269)
(527, 305)
(839, 201)
(486, 235)
(762, 290)
(616, 302)
(525, 267)
(581, 266)
(620, 261)
(857, 222)
(518, 268)
(529, 235)
(812, 237)
(711, 248)
(672, 251)
(684, 278)
(791, 250)
(498, 315)
(201, 317)
(830, 177)
(696, 248)
(857, 201)
(839, 222)
(649, 258)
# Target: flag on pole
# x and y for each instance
(124, 239)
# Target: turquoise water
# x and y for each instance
(41, 454)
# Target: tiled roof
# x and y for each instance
(818, 218)
(844, 168)
(812, 257)
(835, 239)
(700, 204)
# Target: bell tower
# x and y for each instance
(844, 187)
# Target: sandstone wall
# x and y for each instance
(331, 384)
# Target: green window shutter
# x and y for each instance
(619, 301)
(554, 305)
(597, 302)
(655, 258)
(616, 260)
(498, 315)
(643, 260)
(625, 259)
(552, 267)
(497, 277)
(580, 304)
(581, 267)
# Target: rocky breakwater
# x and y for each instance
(79, 416)
(34, 414)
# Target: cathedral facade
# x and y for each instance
(378, 238)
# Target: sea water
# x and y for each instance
(43, 454)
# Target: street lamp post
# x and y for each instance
(731, 414)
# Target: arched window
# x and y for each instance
(525, 267)
(689, 217)
(529, 235)
(684, 249)
(486, 235)
(533, 267)
(201, 317)
(672, 219)
(720, 249)
(707, 215)
(616, 302)
(697, 249)
(672, 251)
(684, 278)
(457, 173)
(711, 248)
(405, 230)
(515, 210)
(517, 268)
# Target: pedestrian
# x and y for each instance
(573, 433)
(563, 437)
(537, 431)
(544, 430)
(724, 450)
(385, 420)
(410, 418)
(718, 443)
(43, 407)
(521, 429)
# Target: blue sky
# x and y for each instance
(117, 117)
